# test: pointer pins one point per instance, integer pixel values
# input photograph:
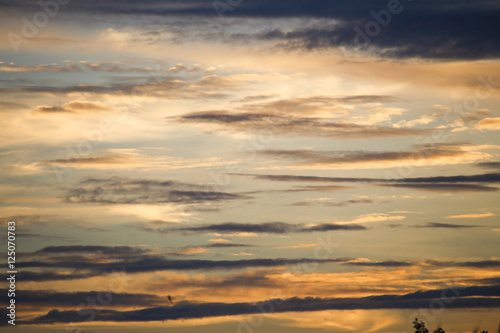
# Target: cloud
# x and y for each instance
(489, 124)
(332, 204)
(470, 183)
(55, 276)
(446, 187)
(292, 125)
(117, 190)
(190, 250)
(486, 281)
(414, 122)
(87, 66)
(322, 105)
(219, 240)
(242, 254)
(13, 68)
(332, 227)
(108, 251)
(86, 161)
(298, 178)
(471, 264)
(480, 178)
(228, 245)
(489, 165)
(167, 86)
(269, 227)
(403, 35)
(405, 39)
(316, 188)
(65, 263)
(84, 267)
(468, 297)
(75, 107)
(39, 236)
(465, 33)
(447, 225)
(369, 263)
(254, 98)
(83, 261)
(144, 159)
(374, 217)
(297, 246)
(47, 298)
(470, 216)
(424, 155)
(462, 183)
(316, 115)
(11, 106)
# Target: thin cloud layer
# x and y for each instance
(317, 116)
(294, 126)
(74, 107)
(424, 155)
(269, 227)
(475, 183)
(332, 204)
(117, 190)
(167, 86)
(447, 225)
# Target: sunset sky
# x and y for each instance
(251, 166)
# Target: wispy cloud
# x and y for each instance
(329, 203)
(296, 246)
(462, 183)
(470, 216)
(423, 155)
(447, 187)
(191, 250)
(489, 124)
(168, 86)
(374, 217)
(447, 226)
(322, 116)
(489, 165)
(269, 227)
(117, 190)
(75, 107)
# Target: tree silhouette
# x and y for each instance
(419, 326)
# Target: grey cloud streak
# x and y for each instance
(269, 227)
(117, 190)
(479, 182)
(480, 178)
(332, 204)
(447, 225)
(163, 86)
(349, 157)
(292, 125)
(60, 263)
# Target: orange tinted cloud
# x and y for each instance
(470, 216)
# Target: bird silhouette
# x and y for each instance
(170, 299)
